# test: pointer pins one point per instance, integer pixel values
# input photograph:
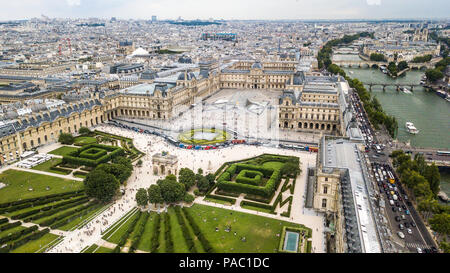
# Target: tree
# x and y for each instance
(211, 179)
(377, 57)
(142, 197)
(171, 190)
(101, 185)
(187, 177)
(139, 163)
(445, 246)
(188, 198)
(203, 184)
(290, 169)
(154, 194)
(123, 161)
(84, 131)
(121, 172)
(200, 171)
(65, 138)
(428, 206)
(402, 65)
(433, 75)
(433, 177)
(441, 223)
(392, 67)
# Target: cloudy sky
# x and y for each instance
(226, 9)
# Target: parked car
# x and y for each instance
(413, 224)
(401, 235)
(409, 231)
(397, 218)
(419, 250)
(401, 226)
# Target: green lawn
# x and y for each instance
(256, 208)
(103, 250)
(260, 232)
(11, 230)
(179, 244)
(273, 164)
(64, 150)
(19, 182)
(114, 237)
(81, 140)
(45, 167)
(79, 220)
(35, 245)
(145, 243)
(218, 201)
(43, 219)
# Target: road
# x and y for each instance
(380, 161)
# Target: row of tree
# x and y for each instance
(377, 57)
(423, 181)
(372, 106)
(437, 73)
(169, 190)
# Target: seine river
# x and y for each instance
(429, 112)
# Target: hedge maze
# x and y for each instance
(258, 178)
(93, 155)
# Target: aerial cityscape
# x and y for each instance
(176, 127)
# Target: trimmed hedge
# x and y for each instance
(49, 207)
(4, 220)
(167, 234)
(50, 221)
(308, 246)
(34, 236)
(17, 235)
(66, 171)
(222, 198)
(71, 218)
(258, 205)
(50, 210)
(205, 243)
(187, 236)
(9, 226)
(130, 229)
(249, 177)
(138, 233)
(42, 198)
(93, 153)
(74, 157)
(155, 237)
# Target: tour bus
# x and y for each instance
(391, 177)
(446, 153)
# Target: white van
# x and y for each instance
(391, 202)
(395, 197)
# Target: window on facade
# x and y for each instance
(326, 178)
(324, 203)
(325, 189)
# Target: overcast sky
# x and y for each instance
(226, 9)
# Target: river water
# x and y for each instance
(429, 112)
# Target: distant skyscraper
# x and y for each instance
(154, 19)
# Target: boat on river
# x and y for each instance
(411, 128)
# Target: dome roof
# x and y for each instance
(140, 52)
(257, 65)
